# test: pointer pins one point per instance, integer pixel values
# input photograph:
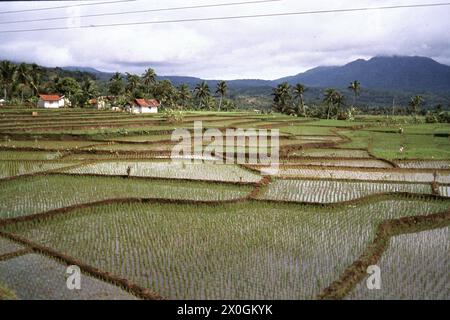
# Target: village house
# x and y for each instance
(144, 106)
(102, 102)
(51, 101)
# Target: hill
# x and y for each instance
(381, 73)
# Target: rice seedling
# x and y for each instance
(175, 170)
(332, 153)
(16, 168)
(424, 164)
(36, 277)
(7, 246)
(414, 267)
(37, 194)
(29, 155)
(356, 163)
(246, 250)
(370, 175)
(326, 191)
(444, 191)
(44, 144)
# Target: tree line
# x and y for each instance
(23, 82)
(289, 100)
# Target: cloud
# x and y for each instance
(249, 48)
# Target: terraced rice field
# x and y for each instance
(29, 155)
(332, 153)
(16, 168)
(372, 175)
(359, 163)
(98, 189)
(37, 194)
(174, 170)
(258, 250)
(44, 144)
(414, 164)
(329, 191)
(411, 263)
(37, 277)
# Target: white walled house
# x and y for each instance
(145, 106)
(51, 101)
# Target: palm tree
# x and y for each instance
(184, 94)
(329, 100)
(355, 87)
(7, 76)
(339, 100)
(202, 92)
(133, 83)
(23, 77)
(35, 77)
(115, 85)
(282, 98)
(149, 78)
(415, 104)
(221, 90)
(89, 88)
(116, 77)
(299, 90)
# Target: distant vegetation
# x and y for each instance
(21, 83)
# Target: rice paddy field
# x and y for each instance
(98, 189)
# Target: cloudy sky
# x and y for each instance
(265, 48)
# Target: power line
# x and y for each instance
(70, 6)
(142, 11)
(231, 17)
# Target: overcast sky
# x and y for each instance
(265, 48)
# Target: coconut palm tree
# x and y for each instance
(116, 77)
(339, 100)
(355, 87)
(149, 79)
(89, 88)
(133, 83)
(415, 104)
(115, 85)
(7, 76)
(184, 94)
(221, 90)
(282, 101)
(23, 78)
(299, 90)
(202, 93)
(35, 77)
(329, 97)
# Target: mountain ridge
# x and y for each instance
(396, 73)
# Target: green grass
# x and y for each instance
(303, 129)
(251, 250)
(388, 145)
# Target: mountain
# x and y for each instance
(396, 73)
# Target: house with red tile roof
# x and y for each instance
(51, 101)
(145, 106)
